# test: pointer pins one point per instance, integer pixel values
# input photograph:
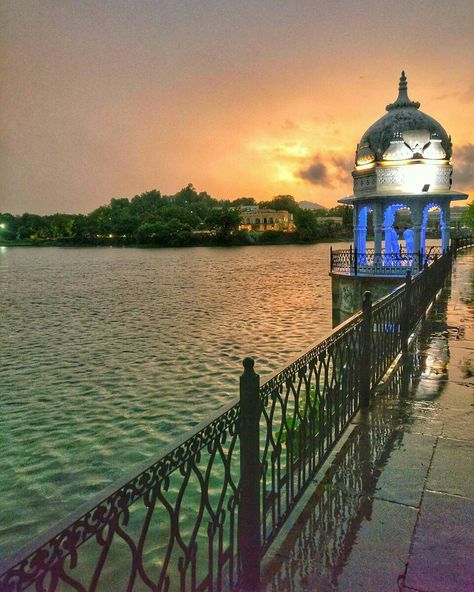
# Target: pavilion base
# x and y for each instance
(348, 291)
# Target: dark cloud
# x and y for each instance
(343, 165)
(336, 169)
(463, 166)
(316, 174)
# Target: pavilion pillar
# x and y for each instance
(355, 225)
(361, 236)
(445, 220)
(378, 225)
(388, 218)
(417, 220)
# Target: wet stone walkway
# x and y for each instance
(395, 508)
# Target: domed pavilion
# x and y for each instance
(403, 161)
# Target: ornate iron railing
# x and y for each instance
(201, 516)
(349, 261)
(343, 499)
(461, 242)
(305, 408)
(170, 526)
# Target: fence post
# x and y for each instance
(250, 471)
(355, 260)
(365, 361)
(406, 314)
(330, 251)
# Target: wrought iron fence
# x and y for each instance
(201, 516)
(171, 526)
(343, 499)
(350, 261)
(305, 407)
(462, 242)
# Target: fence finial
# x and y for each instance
(248, 364)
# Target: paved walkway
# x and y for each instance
(395, 511)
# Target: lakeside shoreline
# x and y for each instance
(68, 244)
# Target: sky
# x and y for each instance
(102, 99)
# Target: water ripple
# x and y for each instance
(108, 354)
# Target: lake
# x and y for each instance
(108, 354)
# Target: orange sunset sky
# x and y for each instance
(110, 98)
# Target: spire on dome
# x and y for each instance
(402, 99)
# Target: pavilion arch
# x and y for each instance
(442, 220)
(391, 246)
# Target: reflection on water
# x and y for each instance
(316, 552)
(108, 354)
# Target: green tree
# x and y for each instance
(307, 226)
(281, 202)
(184, 215)
(8, 227)
(243, 201)
(468, 216)
(146, 207)
(100, 221)
(225, 221)
(344, 212)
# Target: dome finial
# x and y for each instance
(402, 85)
(402, 99)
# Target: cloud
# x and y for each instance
(463, 166)
(316, 174)
(342, 166)
(335, 170)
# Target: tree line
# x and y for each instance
(183, 219)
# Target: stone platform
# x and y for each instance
(393, 509)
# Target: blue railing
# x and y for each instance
(351, 262)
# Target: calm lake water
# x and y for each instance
(108, 354)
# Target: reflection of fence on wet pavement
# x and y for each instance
(201, 516)
(342, 501)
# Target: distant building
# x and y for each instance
(254, 218)
(332, 219)
(457, 212)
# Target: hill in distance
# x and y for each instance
(310, 205)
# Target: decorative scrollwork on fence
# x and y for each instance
(305, 409)
(172, 527)
(349, 261)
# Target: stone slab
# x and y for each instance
(457, 395)
(441, 559)
(451, 470)
(377, 561)
(403, 476)
(458, 424)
